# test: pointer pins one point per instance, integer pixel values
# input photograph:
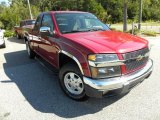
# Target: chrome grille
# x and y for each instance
(136, 59)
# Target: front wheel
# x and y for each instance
(71, 82)
(30, 52)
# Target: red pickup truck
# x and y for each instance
(92, 60)
(24, 24)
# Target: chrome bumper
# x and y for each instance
(102, 86)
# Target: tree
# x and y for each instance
(114, 9)
(107, 10)
(125, 15)
(96, 8)
(11, 15)
(151, 10)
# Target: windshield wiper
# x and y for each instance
(73, 31)
(97, 29)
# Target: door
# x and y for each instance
(35, 34)
(48, 41)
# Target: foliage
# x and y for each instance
(149, 33)
(133, 9)
(11, 15)
(82, 5)
(9, 33)
(114, 9)
(111, 28)
(151, 10)
(144, 32)
(135, 31)
(96, 8)
(109, 11)
(1, 25)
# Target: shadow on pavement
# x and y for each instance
(14, 39)
(41, 89)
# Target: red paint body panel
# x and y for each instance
(81, 44)
(108, 41)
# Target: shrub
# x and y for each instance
(135, 31)
(8, 33)
(112, 28)
(149, 33)
(1, 25)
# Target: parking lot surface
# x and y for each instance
(29, 90)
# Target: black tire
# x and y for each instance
(4, 45)
(30, 52)
(18, 36)
(66, 70)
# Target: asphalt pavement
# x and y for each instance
(30, 91)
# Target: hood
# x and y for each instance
(108, 41)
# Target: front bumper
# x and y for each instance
(120, 85)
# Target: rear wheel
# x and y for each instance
(18, 36)
(71, 82)
(30, 52)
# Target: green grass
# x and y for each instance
(137, 32)
(149, 33)
(149, 23)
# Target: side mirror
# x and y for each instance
(44, 29)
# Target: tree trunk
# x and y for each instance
(125, 16)
(140, 15)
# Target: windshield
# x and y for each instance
(79, 22)
(30, 22)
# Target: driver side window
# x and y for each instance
(37, 23)
(47, 22)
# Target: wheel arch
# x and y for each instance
(72, 58)
(26, 36)
(25, 39)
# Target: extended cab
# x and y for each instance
(24, 24)
(92, 60)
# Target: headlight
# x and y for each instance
(105, 72)
(104, 65)
(103, 57)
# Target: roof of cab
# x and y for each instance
(53, 12)
(67, 11)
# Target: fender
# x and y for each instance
(74, 58)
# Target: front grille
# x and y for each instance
(136, 59)
(133, 64)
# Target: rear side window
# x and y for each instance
(22, 23)
(30, 22)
